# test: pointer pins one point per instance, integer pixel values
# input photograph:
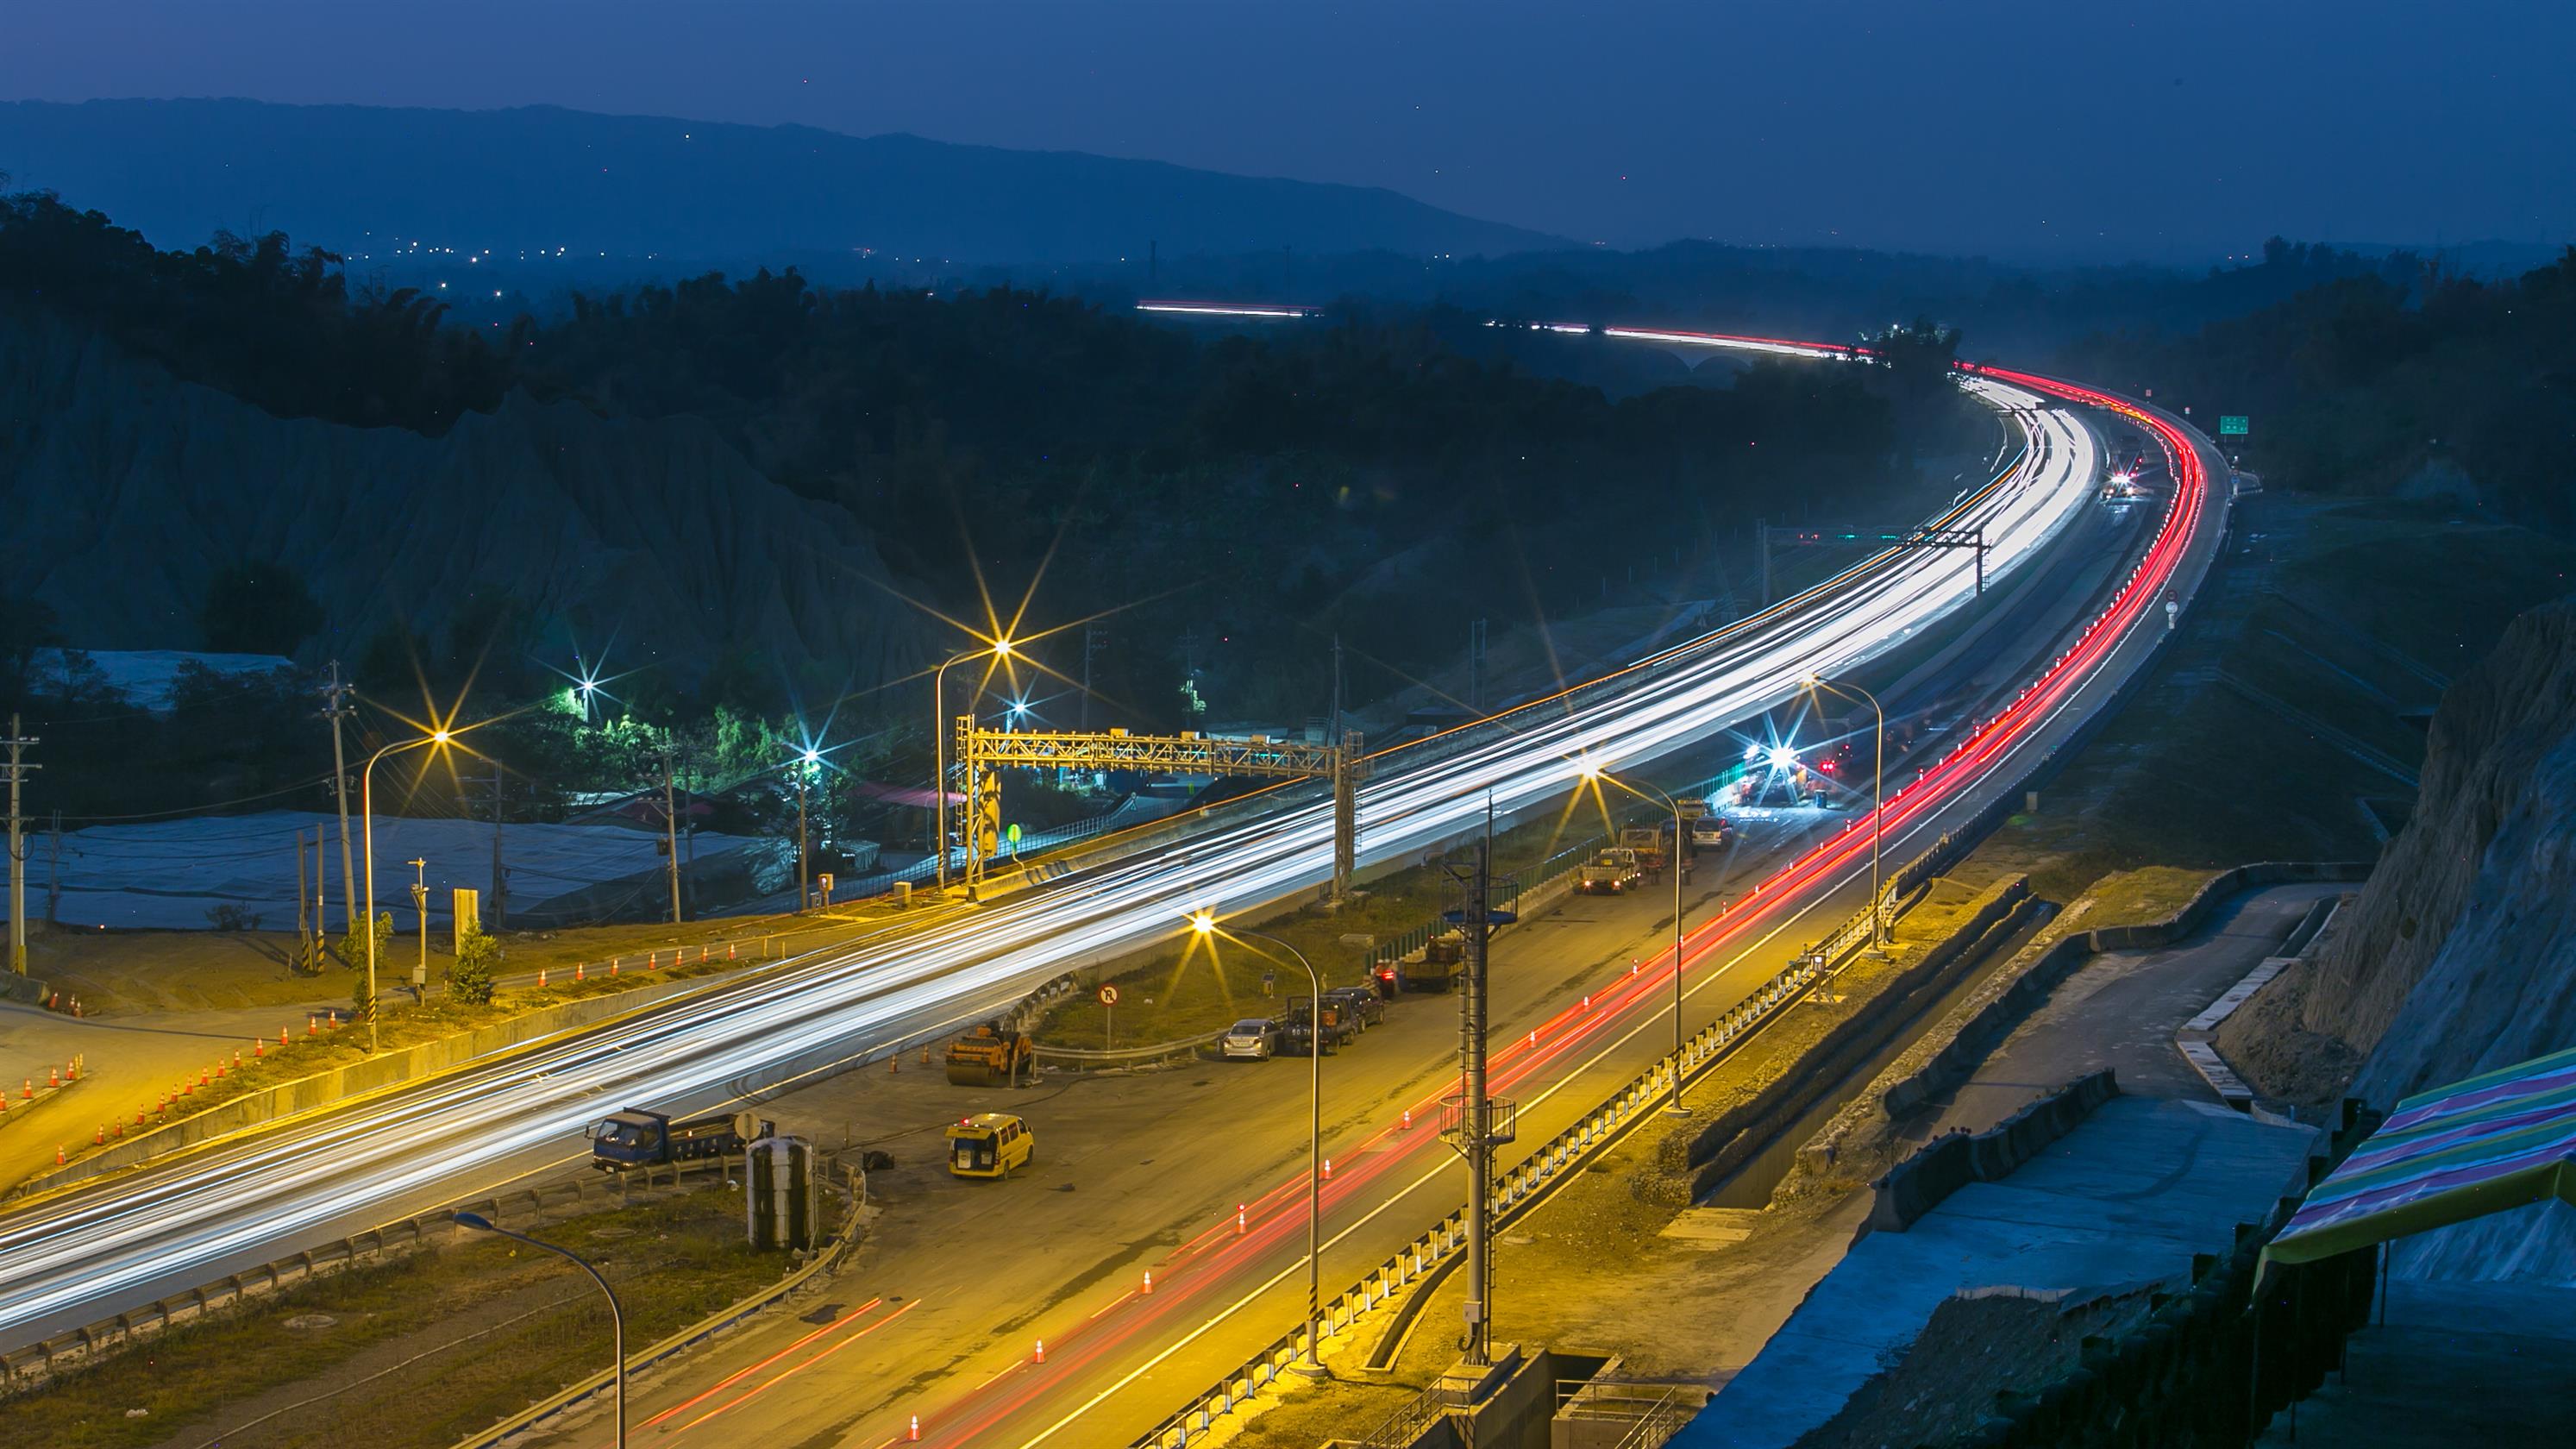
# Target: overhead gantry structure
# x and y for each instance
(982, 753)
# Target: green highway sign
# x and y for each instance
(2232, 425)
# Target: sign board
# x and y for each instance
(469, 913)
(1109, 996)
(2233, 425)
(1691, 808)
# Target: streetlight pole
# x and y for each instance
(367, 820)
(1205, 924)
(1000, 649)
(616, 1315)
(804, 858)
(1673, 863)
(1877, 807)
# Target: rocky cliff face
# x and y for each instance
(2460, 954)
(127, 489)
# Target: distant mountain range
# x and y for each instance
(371, 180)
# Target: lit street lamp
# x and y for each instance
(367, 818)
(804, 858)
(1592, 771)
(1877, 806)
(616, 1315)
(1205, 925)
(999, 649)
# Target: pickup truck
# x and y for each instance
(1361, 1005)
(640, 1138)
(1611, 872)
(1296, 1036)
(1652, 843)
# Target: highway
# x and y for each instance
(968, 1283)
(80, 1254)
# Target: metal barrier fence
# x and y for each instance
(1514, 1192)
(25, 1368)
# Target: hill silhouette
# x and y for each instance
(367, 179)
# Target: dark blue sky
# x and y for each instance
(2183, 129)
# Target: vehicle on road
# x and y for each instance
(1711, 832)
(1361, 1005)
(640, 1138)
(1296, 1036)
(1653, 845)
(988, 1056)
(1443, 957)
(1612, 871)
(1251, 1039)
(989, 1144)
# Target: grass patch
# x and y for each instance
(542, 1327)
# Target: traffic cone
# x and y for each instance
(259, 1046)
(281, 1038)
(580, 971)
(1148, 1289)
(1041, 1355)
(27, 1093)
(894, 1062)
(309, 1023)
(58, 1154)
(219, 1071)
(612, 965)
(1587, 1001)
(702, 955)
(101, 1139)
(54, 1076)
(1328, 1169)
(541, 978)
(201, 1076)
(138, 1116)
(1238, 1219)
(729, 950)
(916, 1427)
(1408, 1119)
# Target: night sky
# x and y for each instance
(2030, 128)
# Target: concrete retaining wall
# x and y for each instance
(1694, 1163)
(1953, 1160)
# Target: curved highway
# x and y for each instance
(84, 1252)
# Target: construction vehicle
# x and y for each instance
(1652, 843)
(640, 1138)
(988, 1056)
(1612, 871)
(1443, 957)
(989, 1144)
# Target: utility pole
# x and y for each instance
(54, 872)
(17, 850)
(420, 905)
(1095, 638)
(671, 823)
(335, 708)
(302, 931)
(1477, 1132)
(1333, 721)
(500, 912)
(804, 856)
(1476, 667)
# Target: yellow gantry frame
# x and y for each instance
(981, 751)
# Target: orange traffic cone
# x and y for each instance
(612, 965)
(281, 1036)
(1328, 1169)
(1148, 1289)
(916, 1427)
(1408, 1119)
(1041, 1356)
(53, 1076)
(580, 971)
(541, 978)
(101, 1139)
(1238, 1219)
(58, 1154)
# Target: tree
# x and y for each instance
(353, 947)
(258, 608)
(476, 969)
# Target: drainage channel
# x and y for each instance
(1751, 1185)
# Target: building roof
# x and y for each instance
(2481, 1146)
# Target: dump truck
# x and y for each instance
(1443, 957)
(989, 1056)
(1652, 843)
(638, 1137)
(1612, 871)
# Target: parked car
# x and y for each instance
(1339, 1027)
(1252, 1039)
(1361, 1005)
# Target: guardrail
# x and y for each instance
(824, 1260)
(1514, 1191)
(1130, 1056)
(25, 1368)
